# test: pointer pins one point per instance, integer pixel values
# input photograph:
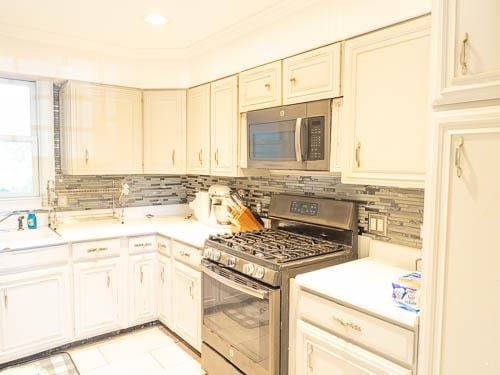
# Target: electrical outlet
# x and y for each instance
(377, 224)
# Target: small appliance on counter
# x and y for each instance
(201, 206)
(219, 208)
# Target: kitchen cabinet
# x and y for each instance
(461, 268)
(142, 288)
(164, 131)
(224, 127)
(260, 87)
(312, 75)
(319, 352)
(335, 142)
(35, 312)
(467, 51)
(165, 298)
(187, 306)
(101, 129)
(386, 108)
(97, 305)
(198, 130)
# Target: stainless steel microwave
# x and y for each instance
(295, 136)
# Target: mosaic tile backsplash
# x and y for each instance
(403, 207)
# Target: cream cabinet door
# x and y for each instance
(260, 87)
(224, 127)
(97, 304)
(198, 130)
(164, 131)
(319, 352)
(313, 75)
(102, 129)
(187, 307)
(467, 49)
(165, 290)
(461, 272)
(35, 312)
(386, 106)
(142, 288)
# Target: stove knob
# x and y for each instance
(248, 268)
(259, 272)
(216, 255)
(231, 262)
(207, 253)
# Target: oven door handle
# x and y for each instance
(298, 140)
(261, 294)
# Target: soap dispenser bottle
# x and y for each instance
(32, 224)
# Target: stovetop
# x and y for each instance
(277, 246)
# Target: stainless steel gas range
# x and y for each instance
(246, 281)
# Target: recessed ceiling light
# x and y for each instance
(156, 19)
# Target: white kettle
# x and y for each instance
(201, 206)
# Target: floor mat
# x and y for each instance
(57, 364)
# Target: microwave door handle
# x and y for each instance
(261, 294)
(298, 140)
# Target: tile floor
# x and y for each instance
(149, 351)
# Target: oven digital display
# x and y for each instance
(304, 208)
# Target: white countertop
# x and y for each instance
(189, 231)
(364, 284)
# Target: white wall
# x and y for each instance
(323, 22)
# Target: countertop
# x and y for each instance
(188, 231)
(364, 284)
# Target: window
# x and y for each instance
(18, 139)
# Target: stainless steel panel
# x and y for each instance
(215, 364)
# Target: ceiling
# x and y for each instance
(111, 25)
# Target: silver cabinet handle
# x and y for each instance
(351, 325)
(143, 244)
(310, 350)
(217, 156)
(86, 156)
(5, 300)
(173, 157)
(463, 60)
(104, 248)
(298, 147)
(162, 274)
(458, 151)
(191, 290)
(358, 152)
(92, 250)
(200, 156)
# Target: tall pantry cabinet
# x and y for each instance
(459, 325)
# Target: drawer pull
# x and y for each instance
(162, 245)
(92, 250)
(185, 254)
(351, 325)
(104, 248)
(145, 244)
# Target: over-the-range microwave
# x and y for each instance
(295, 137)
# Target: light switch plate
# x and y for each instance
(377, 224)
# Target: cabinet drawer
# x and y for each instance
(96, 249)
(15, 261)
(383, 337)
(142, 244)
(163, 245)
(186, 254)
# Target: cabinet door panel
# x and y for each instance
(97, 307)
(468, 50)
(312, 75)
(165, 131)
(165, 291)
(142, 274)
(224, 126)
(260, 87)
(386, 109)
(198, 129)
(35, 311)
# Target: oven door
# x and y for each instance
(241, 320)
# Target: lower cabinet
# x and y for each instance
(187, 306)
(97, 303)
(142, 288)
(165, 290)
(320, 352)
(35, 312)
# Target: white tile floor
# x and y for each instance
(150, 351)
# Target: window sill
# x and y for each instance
(20, 203)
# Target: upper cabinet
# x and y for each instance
(260, 87)
(165, 131)
(386, 106)
(224, 127)
(313, 75)
(101, 129)
(467, 50)
(198, 130)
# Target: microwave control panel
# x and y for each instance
(316, 149)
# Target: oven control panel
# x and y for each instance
(304, 208)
